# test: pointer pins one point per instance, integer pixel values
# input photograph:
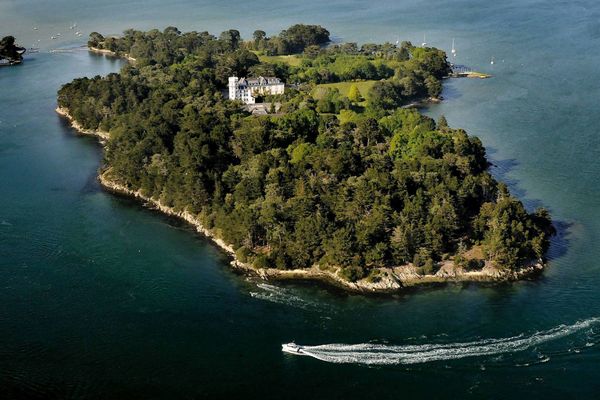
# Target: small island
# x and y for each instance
(10, 54)
(338, 179)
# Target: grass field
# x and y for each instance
(344, 87)
(292, 60)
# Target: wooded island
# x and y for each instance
(339, 182)
(10, 53)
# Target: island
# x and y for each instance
(10, 53)
(338, 179)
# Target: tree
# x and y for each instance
(354, 94)
(7, 42)
(299, 36)
(442, 123)
(312, 51)
(385, 95)
(9, 50)
(231, 38)
(95, 39)
(259, 35)
(434, 86)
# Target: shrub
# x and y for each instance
(352, 273)
(261, 261)
(243, 254)
(474, 264)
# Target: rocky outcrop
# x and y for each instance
(10, 53)
(111, 53)
(98, 133)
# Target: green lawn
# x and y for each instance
(344, 87)
(292, 60)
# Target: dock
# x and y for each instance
(462, 71)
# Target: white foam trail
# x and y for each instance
(276, 294)
(380, 354)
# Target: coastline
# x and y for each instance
(390, 279)
(102, 135)
(393, 279)
(11, 63)
(470, 74)
(110, 53)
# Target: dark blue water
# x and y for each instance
(102, 298)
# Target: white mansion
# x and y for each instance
(247, 89)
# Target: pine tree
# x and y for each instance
(354, 94)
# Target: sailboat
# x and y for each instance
(492, 61)
(424, 41)
(453, 49)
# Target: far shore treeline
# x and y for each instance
(336, 178)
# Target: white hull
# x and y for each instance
(292, 348)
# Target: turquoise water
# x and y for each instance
(102, 298)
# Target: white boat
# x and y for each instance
(424, 42)
(292, 348)
(453, 49)
(492, 61)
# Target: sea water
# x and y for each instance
(103, 298)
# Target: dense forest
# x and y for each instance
(10, 51)
(305, 187)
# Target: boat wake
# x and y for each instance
(279, 295)
(381, 354)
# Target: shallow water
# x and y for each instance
(101, 298)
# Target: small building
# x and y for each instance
(248, 89)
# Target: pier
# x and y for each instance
(463, 71)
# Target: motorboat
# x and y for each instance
(292, 348)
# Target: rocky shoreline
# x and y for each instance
(102, 135)
(390, 279)
(110, 53)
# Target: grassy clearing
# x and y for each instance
(344, 87)
(291, 60)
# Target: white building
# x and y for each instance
(247, 89)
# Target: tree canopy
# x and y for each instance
(303, 187)
(9, 50)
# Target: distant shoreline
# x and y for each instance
(11, 63)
